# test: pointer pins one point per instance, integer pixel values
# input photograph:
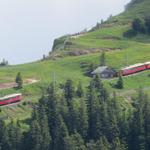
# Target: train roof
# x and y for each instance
(147, 63)
(9, 96)
(133, 66)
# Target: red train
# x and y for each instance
(135, 68)
(9, 99)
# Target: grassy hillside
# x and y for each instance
(120, 52)
(109, 34)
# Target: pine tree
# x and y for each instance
(60, 134)
(117, 145)
(80, 92)
(147, 24)
(91, 145)
(13, 137)
(75, 142)
(36, 135)
(19, 80)
(89, 70)
(82, 119)
(63, 108)
(146, 111)
(102, 144)
(97, 83)
(69, 91)
(58, 128)
(52, 111)
(2, 133)
(120, 84)
(45, 131)
(138, 26)
(100, 89)
(137, 131)
(72, 118)
(92, 104)
(103, 59)
(40, 132)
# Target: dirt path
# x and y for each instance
(10, 85)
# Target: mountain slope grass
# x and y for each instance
(120, 52)
(69, 68)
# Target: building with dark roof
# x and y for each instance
(104, 72)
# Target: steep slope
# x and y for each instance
(107, 36)
(136, 9)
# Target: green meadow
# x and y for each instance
(120, 52)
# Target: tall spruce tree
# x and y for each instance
(102, 144)
(97, 83)
(75, 142)
(79, 91)
(146, 111)
(138, 26)
(36, 136)
(103, 59)
(117, 145)
(69, 91)
(137, 132)
(92, 104)
(60, 134)
(82, 119)
(147, 24)
(45, 130)
(13, 137)
(120, 83)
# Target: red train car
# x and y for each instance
(9, 99)
(147, 64)
(133, 69)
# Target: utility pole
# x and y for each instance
(126, 60)
(54, 80)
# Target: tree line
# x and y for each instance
(4, 62)
(75, 118)
(139, 26)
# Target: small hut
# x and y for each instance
(104, 72)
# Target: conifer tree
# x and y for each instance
(63, 108)
(91, 145)
(97, 83)
(79, 91)
(147, 24)
(36, 135)
(82, 119)
(2, 134)
(120, 84)
(19, 80)
(138, 26)
(69, 91)
(102, 144)
(146, 111)
(103, 59)
(92, 103)
(60, 134)
(45, 131)
(137, 131)
(75, 142)
(117, 145)
(13, 136)
(72, 118)
(89, 70)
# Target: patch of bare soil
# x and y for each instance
(13, 84)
